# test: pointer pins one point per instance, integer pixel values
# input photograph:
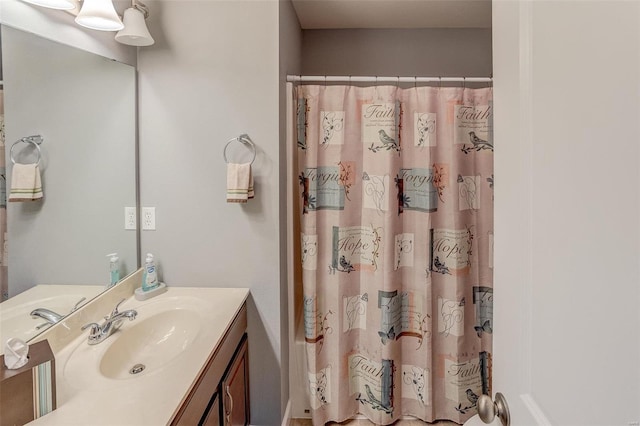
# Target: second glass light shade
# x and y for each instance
(99, 15)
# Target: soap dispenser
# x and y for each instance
(114, 269)
(150, 277)
(150, 287)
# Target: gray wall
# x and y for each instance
(416, 52)
(211, 76)
(290, 63)
(84, 107)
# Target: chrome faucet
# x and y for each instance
(98, 333)
(51, 317)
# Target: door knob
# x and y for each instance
(488, 409)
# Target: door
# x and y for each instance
(235, 389)
(567, 234)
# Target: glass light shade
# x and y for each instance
(135, 32)
(99, 15)
(53, 4)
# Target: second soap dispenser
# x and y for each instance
(150, 276)
(150, 287)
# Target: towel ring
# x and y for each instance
(246, 141)
(35, 140)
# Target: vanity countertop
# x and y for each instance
(85, 396)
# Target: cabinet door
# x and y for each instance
(213, 416)
(235, 388)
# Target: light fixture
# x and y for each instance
(53, 4)
(99, 15)
(135, 32)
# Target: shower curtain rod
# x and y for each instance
(376, 79)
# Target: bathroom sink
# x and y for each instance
(162, 332)
(173, 336)
(149, 344)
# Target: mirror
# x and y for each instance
(84, 107)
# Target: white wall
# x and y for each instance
(412, 52)
(211, 76)
(59, 26)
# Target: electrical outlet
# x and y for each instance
(149, 218)
(130, 218)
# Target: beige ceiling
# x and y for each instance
(331, 14)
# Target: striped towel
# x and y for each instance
(239, 183)
(25, 183)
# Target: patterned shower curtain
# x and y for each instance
(396, 204)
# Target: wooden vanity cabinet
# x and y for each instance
(220, 394)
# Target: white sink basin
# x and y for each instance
(161, 333)
(150, 344)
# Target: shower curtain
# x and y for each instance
(396, 218)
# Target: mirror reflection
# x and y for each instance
(58, 252)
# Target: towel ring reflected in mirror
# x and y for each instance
(246, 141)
(34, 140)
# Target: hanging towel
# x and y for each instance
(239, 183)
(25, 183)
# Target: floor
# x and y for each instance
(307, 422)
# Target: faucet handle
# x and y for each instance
(115, 310)
(95, 327)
